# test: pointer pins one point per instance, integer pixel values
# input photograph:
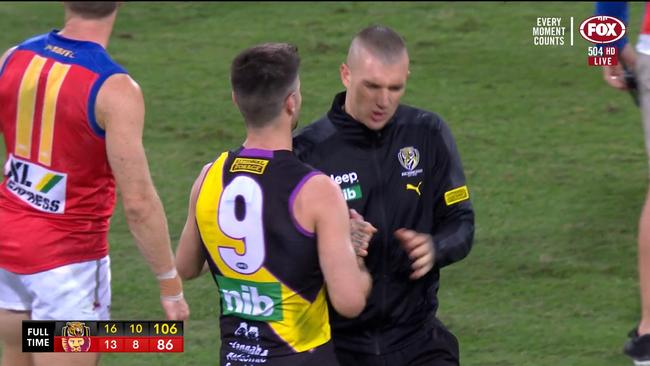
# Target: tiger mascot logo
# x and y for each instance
(409, 157)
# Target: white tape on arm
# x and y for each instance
(167, 275)
(178, 297)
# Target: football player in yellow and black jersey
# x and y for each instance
(274, 231)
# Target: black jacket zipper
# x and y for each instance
(384, 255)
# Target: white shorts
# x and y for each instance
(78, 291)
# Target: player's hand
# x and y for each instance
(175, 309)
(614, 76)
(361, 232)
(420, 250)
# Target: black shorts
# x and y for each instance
(319, 356)
(440, 348)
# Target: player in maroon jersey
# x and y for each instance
(72, 122)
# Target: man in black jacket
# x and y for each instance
(398, 166)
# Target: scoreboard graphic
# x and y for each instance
(102, 336)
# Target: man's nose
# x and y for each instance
(383, 99)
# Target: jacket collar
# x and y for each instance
(353, 130)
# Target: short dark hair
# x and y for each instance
(261, 78)
(381, 41)
(92, 9)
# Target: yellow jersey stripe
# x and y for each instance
(54, 81)
(26, 106)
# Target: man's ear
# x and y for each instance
(234, 98)
(290, 103)
(344, 71)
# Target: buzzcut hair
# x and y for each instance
(381, 41)
(92, 9)
(261, 77)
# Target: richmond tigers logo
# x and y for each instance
(409, 157)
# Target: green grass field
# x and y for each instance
(554, 159)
